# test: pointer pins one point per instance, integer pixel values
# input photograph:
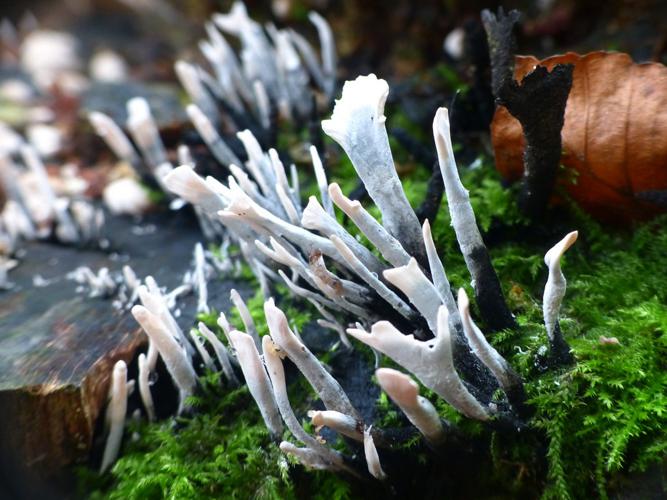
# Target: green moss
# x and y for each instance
(222, 452)
(605, 415)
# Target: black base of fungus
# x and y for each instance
(538, 102)
(488, 293)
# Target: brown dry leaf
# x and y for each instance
(614, 136)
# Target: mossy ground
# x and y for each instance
(600, 418)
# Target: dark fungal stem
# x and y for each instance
(488, 292)
(538, 102)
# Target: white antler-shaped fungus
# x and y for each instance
(430, 361)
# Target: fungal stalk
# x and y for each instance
(257, 380)
(274, 367)
(221, 353)
(430, 361)
(372, 457)
(116, 412)
(485, 282)
(332, 394)
(144, 387)
(420, 412)
(338, 422)
(174, 356)
(358, 125)
(554, 291)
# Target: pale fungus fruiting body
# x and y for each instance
(115, 415)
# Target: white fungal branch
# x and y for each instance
(210, 135)
(554, 290)
(438, 275)
(174, 356)
(316, 218)
(306, 456)
(201, 349)
(246, 317)
(372, 457)
(321, 178)
(458, 200)
(193, 85)
(117, 141)
(481, 348)
(115, 414)
(141, 125)
(430, 361)
(276, 372)
(257, 380)
(184, 182)
(221, 353)
(338, 422)
(344, 293)
(405, 393)
(358, 125)
(416, 286)
(332, 394)
(144, 387)
(328, 50)
(390, 248)
(372, 280)
(152, 299)
(201, 279)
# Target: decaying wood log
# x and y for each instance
(58, 347)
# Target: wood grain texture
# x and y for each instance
(58, 347)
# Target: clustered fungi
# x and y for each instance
(33, 210)
(404, 290)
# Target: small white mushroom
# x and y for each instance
(126, 196)
(116, 412)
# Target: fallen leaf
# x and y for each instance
(614, 136)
